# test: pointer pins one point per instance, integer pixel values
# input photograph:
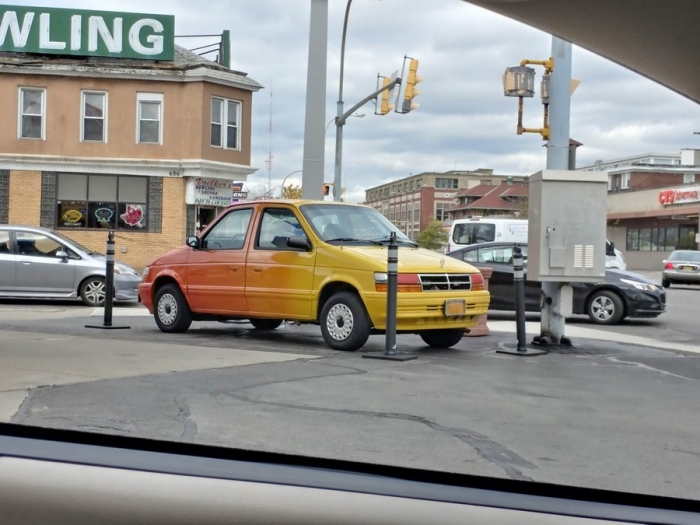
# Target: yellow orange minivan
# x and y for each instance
(312, 262)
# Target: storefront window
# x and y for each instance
(645, 239)
(671, 238)
(686, 239)
(102, 202)
(632, 239)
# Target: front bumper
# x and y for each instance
(645, 304)
(126, 287)
(144, 295)
(425, 310)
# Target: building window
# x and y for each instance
(225, 116)
(441, 211)
(661, 239)
(102, 202)
(625, 181)
(419, 183)
(94, 116)
(610, 183)
(32, 105)
(688, 178)
(446, 184)
(149, 118)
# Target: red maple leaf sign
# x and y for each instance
(133, 215)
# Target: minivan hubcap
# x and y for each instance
(95, 292)
(167, 309)
(603, 308)
(340, 322)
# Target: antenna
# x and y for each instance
(268, 162)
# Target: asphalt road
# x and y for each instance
(602, 414)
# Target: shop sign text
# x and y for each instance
(680, 195)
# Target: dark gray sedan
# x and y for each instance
(619, 295)
(681, 267)
(42, 263)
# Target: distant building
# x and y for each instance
(509, 198)
(653, 205)
(411, 202)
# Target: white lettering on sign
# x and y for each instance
(112, 40)
(76, 32)
(10, 22)
(45, 41)
(156, 41)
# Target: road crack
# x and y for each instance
(184, 416)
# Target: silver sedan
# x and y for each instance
(681, 267)
(42, 263)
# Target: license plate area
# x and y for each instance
(687, 268)
(455, 307)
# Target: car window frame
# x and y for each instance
(223, 217)
(261, 216)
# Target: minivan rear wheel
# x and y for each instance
(171, 311)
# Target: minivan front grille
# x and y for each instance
(436, 282)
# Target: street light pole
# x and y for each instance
(337, 175)
(285, 180)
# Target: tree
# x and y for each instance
(434, 236)
(258, 192)
(291, 192)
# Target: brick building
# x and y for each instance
(411, 202)
(147, 147)
(508, 199)
(653, 205)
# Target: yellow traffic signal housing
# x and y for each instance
(411, 91)
(385, 106)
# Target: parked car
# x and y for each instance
(681, 267)
(43, 263)
(620, 295)
(312, 262)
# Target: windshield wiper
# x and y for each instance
(352, 239)
(384, 240)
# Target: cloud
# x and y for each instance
(464, 121)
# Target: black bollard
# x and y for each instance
(391, 291)
(519, 282)
(109, 287)
(521, 348)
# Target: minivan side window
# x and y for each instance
(230, 232)
(276, 226)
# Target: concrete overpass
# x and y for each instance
(657, 39)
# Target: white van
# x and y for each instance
(465, 232)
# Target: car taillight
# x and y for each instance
(668, 266)
(406, 282)
(477, 282)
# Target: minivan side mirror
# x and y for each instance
(193, 242)
(299, 242)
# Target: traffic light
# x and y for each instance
(385, 107)
(411, 91)
(327, 189)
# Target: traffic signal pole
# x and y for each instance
(552, 322)
(339, 123)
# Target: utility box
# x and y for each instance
(567, 223)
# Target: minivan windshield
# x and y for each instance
(335, 223)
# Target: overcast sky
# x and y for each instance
(464, 122)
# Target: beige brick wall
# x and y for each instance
(25, 198)
(142, 247)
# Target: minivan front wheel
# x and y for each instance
(171, 312)
(93, 291)
(344, 322)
